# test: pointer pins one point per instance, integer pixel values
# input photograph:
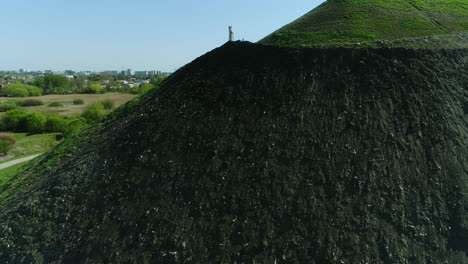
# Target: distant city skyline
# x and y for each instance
(110, 35)
(22, 70)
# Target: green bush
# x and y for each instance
(31, 102)
(20, 90)
(94, 112)
(144, 88)
(11, 120)
(133, 91)
(32, 123)
(56, 124)
(55, 104)
(95, 88)
(7, 106)
(78, 101)
(5, 146)
(6, 143)
(33, 90)
(15, 90)
(108, 104)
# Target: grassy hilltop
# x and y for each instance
(341, 22)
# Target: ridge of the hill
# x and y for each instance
(296, 156)
(344, 22)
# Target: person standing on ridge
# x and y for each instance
(231, 34)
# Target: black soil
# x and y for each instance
(254, 154)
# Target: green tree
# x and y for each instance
(33, 90)
(20, 90)
(53, 84)
(11, 120)
(78, 84)
(95, 88)
(14, 90)
(55, 124)
(32, 122)
(39, 82)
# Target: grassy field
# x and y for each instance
(29, 144)
(338, 22)
(69, 109)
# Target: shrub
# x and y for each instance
(32, 123)
(108, 104)
(11, 120)
(144, 88)
(55, 104)
(15, 90)
(78, 101)
(133, 91)
(7, 106)
(55, 124)
(94, 112)
(20, 90)
(31, 102)
(95, 88)
(18, 102)
(33, 90)
(5, 146)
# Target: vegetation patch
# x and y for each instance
(6, 144)
(78, 101)
(20, 90)
(338, 22)
(55, 104)
(94, 112)
(108, 104)
(94, 88)
(30, 102)
(5, 147)
(7, 106)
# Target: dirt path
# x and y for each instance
(17, 161)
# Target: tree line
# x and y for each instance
(59, 84)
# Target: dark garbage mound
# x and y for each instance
(259, 154)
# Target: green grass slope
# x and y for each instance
(341, 22)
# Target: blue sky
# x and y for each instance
(139, 34)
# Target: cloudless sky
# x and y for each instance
(103, 35)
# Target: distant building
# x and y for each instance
(141, 73)
(5, 82)
(112, 73)
(86, 73)
(129, 72)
